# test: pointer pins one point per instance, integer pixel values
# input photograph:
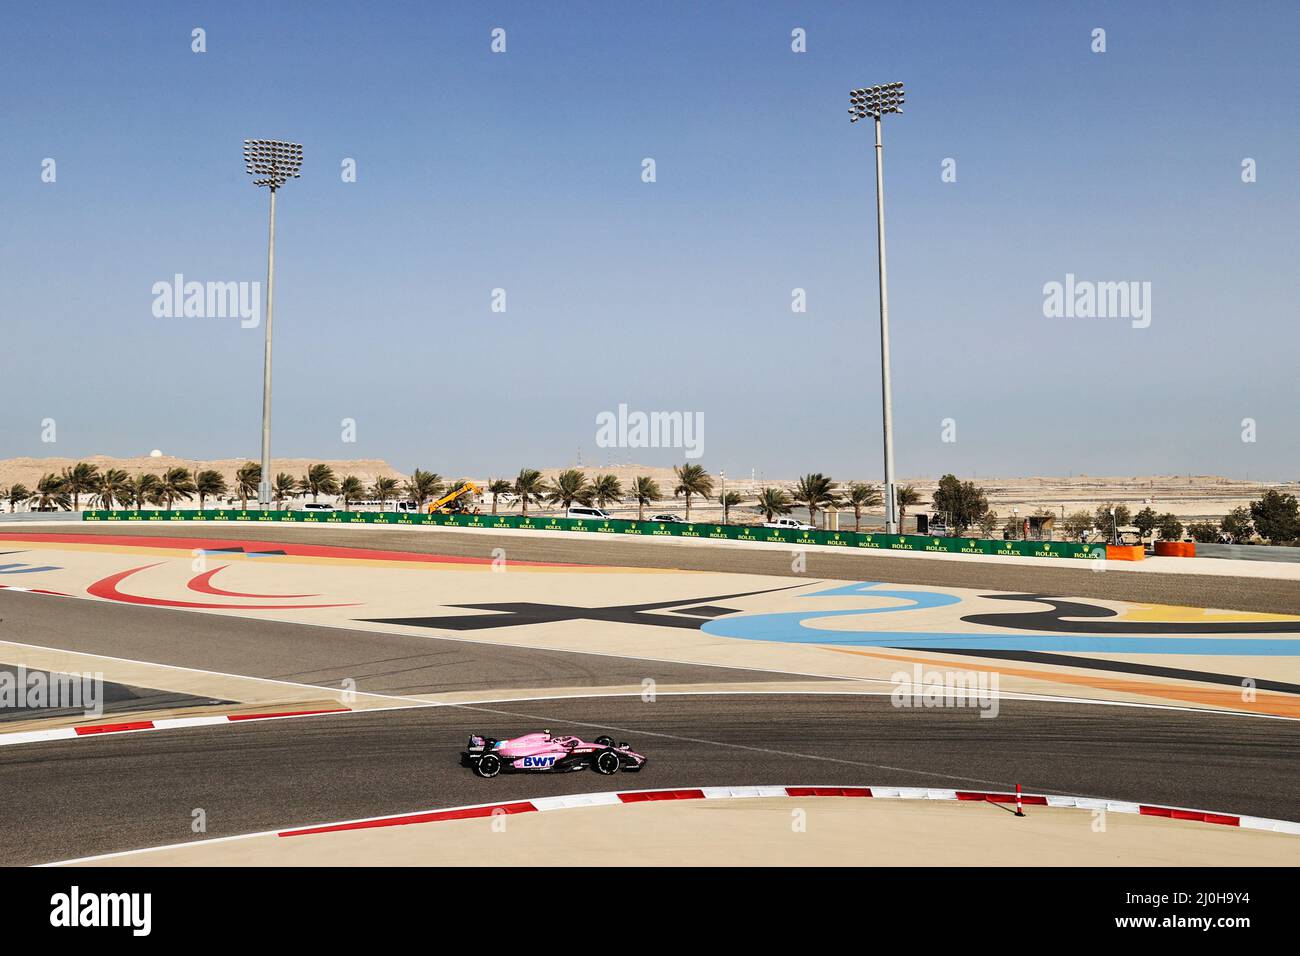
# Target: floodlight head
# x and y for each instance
(275, 161)
(875, 101)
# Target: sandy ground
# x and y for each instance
(786, 831)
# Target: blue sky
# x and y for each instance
(522, 170)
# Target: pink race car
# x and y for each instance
(547, 753)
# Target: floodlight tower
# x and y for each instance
(275, 162)
(876, 101)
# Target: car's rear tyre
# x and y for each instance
(489, 765)
(603, 741)
(606, 763)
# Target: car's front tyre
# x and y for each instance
(606, 763)
(489, 765)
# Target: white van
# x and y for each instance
(390, 505)
(587, 514)
(789, 524)
(311, 506)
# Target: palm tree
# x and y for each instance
(569, 486)
(16, 495)
(175, 483)
(283, 487)
(114, 487)
(247, 478)
(816, 491)
(773, 502)
(497, 488)
(209, 482)
(606, 489)
(351, 488)
(141, 490)
(423, 485)
(157, 497)
(692, 480)
(645, 490)
(319, 480)
(82, 477)
(729, 500)
(905, 497)
(862, 495)
(529, 486)
(51, 492)
(384, 489)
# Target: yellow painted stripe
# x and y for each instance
(1185, 615)
(1277, 705)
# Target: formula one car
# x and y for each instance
(547, 753)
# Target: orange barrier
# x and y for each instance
(1124, 552)
(1176, 549)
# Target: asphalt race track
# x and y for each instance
(1277, 596)
(101, 795)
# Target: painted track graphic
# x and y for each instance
(808, 626)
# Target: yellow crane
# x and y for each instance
(453, 497)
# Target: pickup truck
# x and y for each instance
(790, 524)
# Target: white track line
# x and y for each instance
(179, 723)
(615, 798)
(317, 688)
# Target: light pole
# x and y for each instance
(876, 101)
(723, 496)
(276, 162)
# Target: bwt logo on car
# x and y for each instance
(536, 762)
(74, 908)
(208, 300)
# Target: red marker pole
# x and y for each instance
(1020, 812)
